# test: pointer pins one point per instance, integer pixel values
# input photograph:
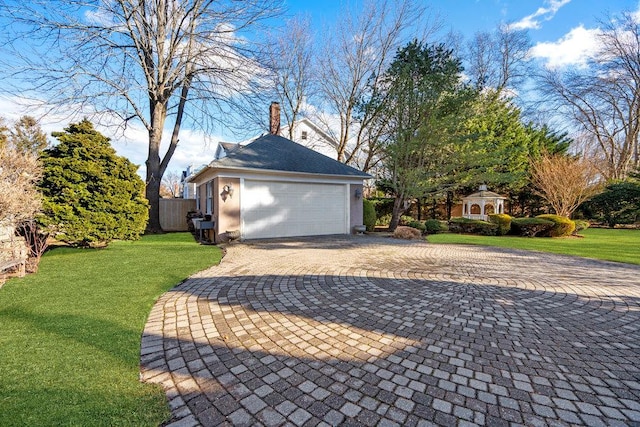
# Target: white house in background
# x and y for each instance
(189, 188)
(305, 133)
(310, 135)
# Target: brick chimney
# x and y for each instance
(274, 118)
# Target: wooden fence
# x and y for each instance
(173, 213)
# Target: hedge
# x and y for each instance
(472, 226)
(530, 227)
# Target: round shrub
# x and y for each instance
(433, 226)
(407, 233)
(503, 221)
(369, 215)
(530, 227)
(562, 226)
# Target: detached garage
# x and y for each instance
(274, 187)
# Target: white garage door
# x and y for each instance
(287, 209)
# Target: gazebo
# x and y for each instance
(481, 204)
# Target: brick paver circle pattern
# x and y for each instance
(376, 331)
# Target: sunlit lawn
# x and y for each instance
(70, 334)
(607, 244)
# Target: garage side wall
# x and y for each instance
(227, 206)
(356, 209)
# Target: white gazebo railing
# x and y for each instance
(481, 204)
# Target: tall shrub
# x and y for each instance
(91, 195)
(369, 214)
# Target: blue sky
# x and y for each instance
(561, 29)
(558, 18)
(562, 32)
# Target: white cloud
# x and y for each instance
(534, 20)
(574, 48)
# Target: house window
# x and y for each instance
(198, 197)
(209, 197)
(304, 134)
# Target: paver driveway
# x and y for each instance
(376, 331)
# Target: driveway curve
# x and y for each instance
(370, 331)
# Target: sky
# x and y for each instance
(562, 33)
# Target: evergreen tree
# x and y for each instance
(422, 102)
(91, 195)
(27, 136)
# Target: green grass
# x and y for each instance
(611, 245)
(70, 334)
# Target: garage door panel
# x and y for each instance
(283, 209)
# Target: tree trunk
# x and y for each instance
(449, 204)
(152, 193)
(398, 210)
(154, 172)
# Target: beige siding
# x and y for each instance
(226, 209)
(356, 210)
(173, 213)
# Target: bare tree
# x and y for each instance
(171, 183)
(4, 132)
(603, 100)
(145, 61)
(289, 57)
(20, 199)
(353, 59)
(565, 182)
(499, 59)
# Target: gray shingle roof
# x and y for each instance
(275, 153)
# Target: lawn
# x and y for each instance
(70, 334)
(607, 244)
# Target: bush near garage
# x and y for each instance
(369, 215)
(472, 226)
(503, 221)
(562, 226)
(530, 227)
